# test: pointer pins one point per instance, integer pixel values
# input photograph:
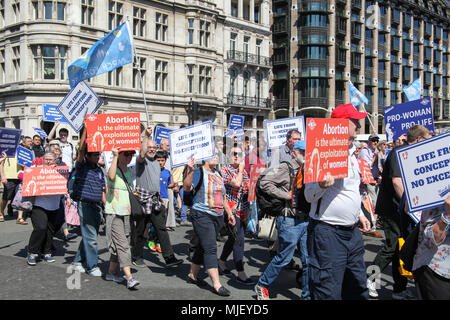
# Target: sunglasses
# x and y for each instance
(238, 154)
(128, 154)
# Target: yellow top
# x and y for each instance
(11, 169)
(177, 175)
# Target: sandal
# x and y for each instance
(2, 219)
(21, 221)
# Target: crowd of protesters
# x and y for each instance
(326, 220)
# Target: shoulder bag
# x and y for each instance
(137, 210)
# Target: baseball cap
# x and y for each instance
(347, 111)
(374, 136)
(300, 144)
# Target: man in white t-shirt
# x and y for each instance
(68, 151)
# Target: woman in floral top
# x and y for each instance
(431, 267)
(236, 182)
(118, 210)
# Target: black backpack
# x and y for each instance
(301, 204)
(268, 204)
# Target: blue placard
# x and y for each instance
(9, 140)
(50, 113)
(40, 132)
(161, 133)
(25, 156)
(236, 122)
(399, 118)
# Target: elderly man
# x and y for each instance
(335, 245)
(148, 173)
(292, 136)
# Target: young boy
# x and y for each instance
(165, 183)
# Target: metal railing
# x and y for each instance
(248, 58)
(246, 101)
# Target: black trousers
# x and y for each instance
(44, 228)
(137, 234)
(430, 285)
(389, 252)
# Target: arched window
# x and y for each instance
(233, 75)
(259, 78)
(245, 92)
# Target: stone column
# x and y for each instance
(240, 9)
(252, 11)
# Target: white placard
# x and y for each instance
(425, 170)
(79, 102)
(195, 141)
(276, 130)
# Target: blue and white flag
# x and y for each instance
(110, 52)
(356, 97)
(413, 90)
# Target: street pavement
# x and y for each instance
(51, 281)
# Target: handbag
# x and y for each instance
(24, 204)
(71, 213)
(267, 228)
(228, 229)
(137, 210)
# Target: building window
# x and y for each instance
(259, 78)
(161, 76)
(139, 22)
(115, 14)
(204, 80)
(136, 76)
(234, 9)
(115, 77)
(205, 33)
(190, 78)
(16, 63)
(319, 52)
(314, 20)
(16, 9)
(161, 26)
(314, 88)
(87, 12)
(2, 13)
(233, 37)
(49, 62)
(191, 31)
(2, 67)
(233, 76)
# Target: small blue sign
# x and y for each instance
(25, 156)
(236, 122)
(9, 140)
(399, 118)
(161, 133)
(52, 114)
(40, 132)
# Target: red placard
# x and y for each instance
(104, 131)
(255, 172)
(44, 181)
(327, 142)
(367, 177)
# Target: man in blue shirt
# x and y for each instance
(89, 191)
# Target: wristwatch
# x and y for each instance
(445, 220)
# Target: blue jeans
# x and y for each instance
(291, 232)
(90, 219)
(183, 211)
(336, 263)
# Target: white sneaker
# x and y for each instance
(78, 267)
(372, 289)
(96, 272)
(404, 295)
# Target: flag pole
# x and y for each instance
(136, 62)
(370, 121)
